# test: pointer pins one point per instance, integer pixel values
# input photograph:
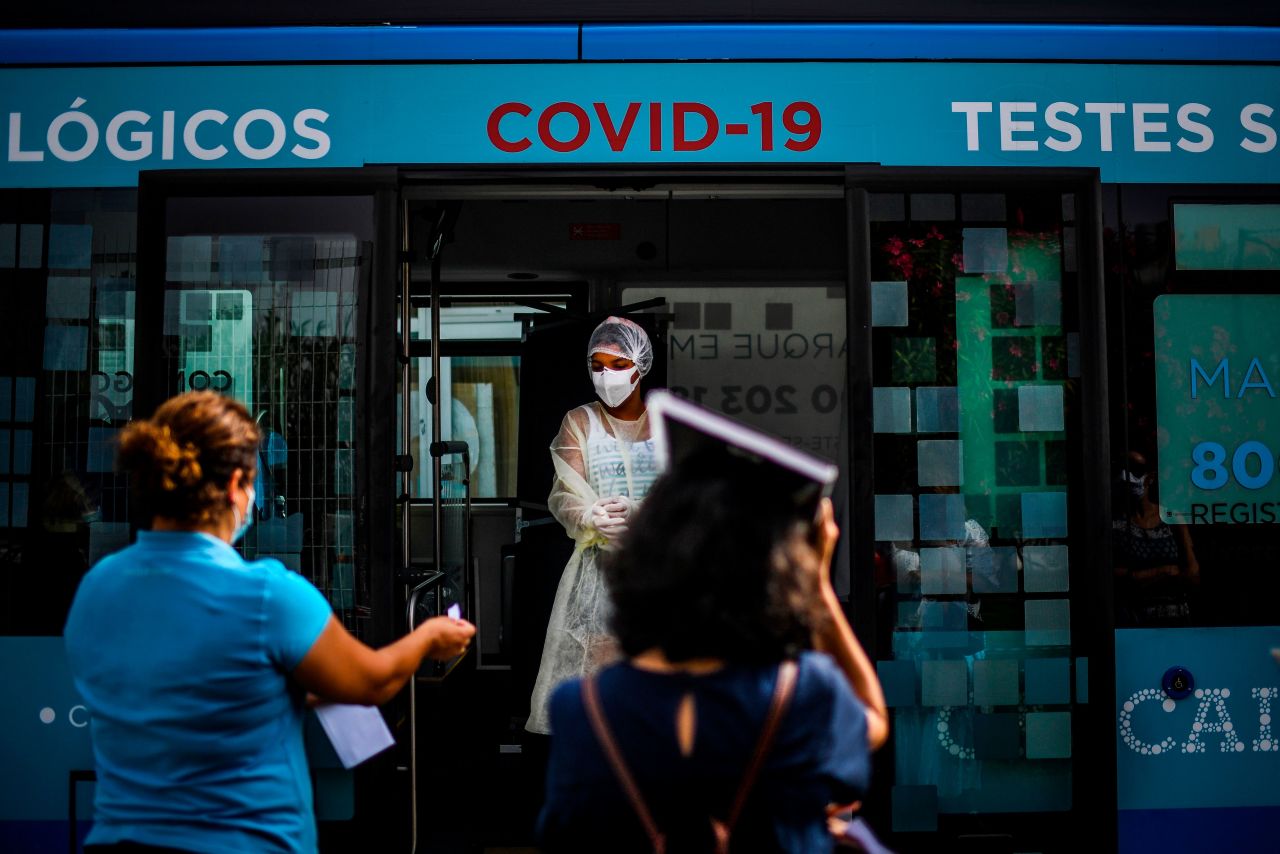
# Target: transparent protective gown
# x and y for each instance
(595, 456)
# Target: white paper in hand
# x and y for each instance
(356, 732)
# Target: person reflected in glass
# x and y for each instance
(1155, 564)
(604, 465)
(195, 664)
(907, 569)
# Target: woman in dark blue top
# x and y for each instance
(713, 589)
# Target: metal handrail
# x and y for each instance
(432, 582)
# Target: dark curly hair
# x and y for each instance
(180, 459)
(710, 568)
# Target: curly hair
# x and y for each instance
(180, 459)
(710, 568)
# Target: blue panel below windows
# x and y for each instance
(929, 41)
(289, 44)
(1222, 829)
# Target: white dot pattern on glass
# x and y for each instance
(1266, 741)
(1127, 734)
(1214, 698)
(945, 739)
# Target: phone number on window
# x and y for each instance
(762, 399)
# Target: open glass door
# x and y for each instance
(264, 289)
(980, 472)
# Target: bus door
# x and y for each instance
(740, 280)
(499, 309)
(1194, 297)
(278, 289)
(978, 454)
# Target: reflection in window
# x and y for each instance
(972, 409)
(66, 386)
(271, 320)
(772, 356)
(1209, 571)
(1226, 237)
(483, 395)
(476, 321)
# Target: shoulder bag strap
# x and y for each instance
(595, 714)
(782, 693)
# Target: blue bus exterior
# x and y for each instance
(1173, 122)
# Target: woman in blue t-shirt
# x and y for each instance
(715, 590)
(195, 664)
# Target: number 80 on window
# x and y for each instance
(1252, 464)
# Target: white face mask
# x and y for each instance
(1137, 483)
(243, 523)
(613, 387)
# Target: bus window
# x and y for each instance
(976, 458)
(482, 387)
(1194, 462)
(67, 268)
(267, 312)
(1196, 432)
(483, 395)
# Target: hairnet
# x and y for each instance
(621, 337)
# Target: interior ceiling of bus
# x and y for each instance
(645, 237)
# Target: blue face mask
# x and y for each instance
(246, 522)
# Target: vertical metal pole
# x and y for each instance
(861, 450)
(436, 403)
(406, 483)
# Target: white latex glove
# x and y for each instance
(609, 516)
(628, 507)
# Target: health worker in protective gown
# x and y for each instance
(604, 463)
